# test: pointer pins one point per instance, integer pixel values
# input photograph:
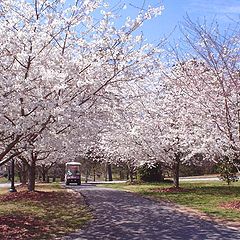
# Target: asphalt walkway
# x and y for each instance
(126, 216)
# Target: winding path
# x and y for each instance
(126, 216)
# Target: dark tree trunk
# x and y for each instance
(131, 176)
(9, 172)
(43, 176)
(12, 189)
(176, 167)
(32, 175)
(44, 172)
(24, 173)
(94, 174)
(109, 167)
(128, 174)
(86, 177)
(131, 173)
(160, 173)
(105, 172)
(22, 167)
(54, 175)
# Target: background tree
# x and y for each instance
(209, 74)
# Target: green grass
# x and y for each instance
(3, 180)
(59, 211)
(204, 196)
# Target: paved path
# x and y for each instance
(7, 185)
(105, 182)
(126, 216)
(190, 179)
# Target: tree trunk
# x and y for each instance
(43, 175)
(109, 167)
(53, 175)
(94, 174)
(160, 176)
(32, 175)
(24, 173)
(86, 177)
(9, 173)
(128, 174)
(176, 167)
(44, 172)
(22, 167)
(131, 175)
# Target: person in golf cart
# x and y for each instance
(73, 173)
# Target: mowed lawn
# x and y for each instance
(214, 198)
(49, 212)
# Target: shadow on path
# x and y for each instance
(126, 216)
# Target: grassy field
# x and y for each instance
(49, 212)
(3, 180)
(208, 197)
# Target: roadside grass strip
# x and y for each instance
(48, 212)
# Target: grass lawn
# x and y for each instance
(49, 212)
(3, 180)
(214, 198)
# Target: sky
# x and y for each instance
(222, 11)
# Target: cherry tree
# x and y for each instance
(190, 111)
(57, 62)
(211, 79)
(159, 123)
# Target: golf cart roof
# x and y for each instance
(73, 163)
